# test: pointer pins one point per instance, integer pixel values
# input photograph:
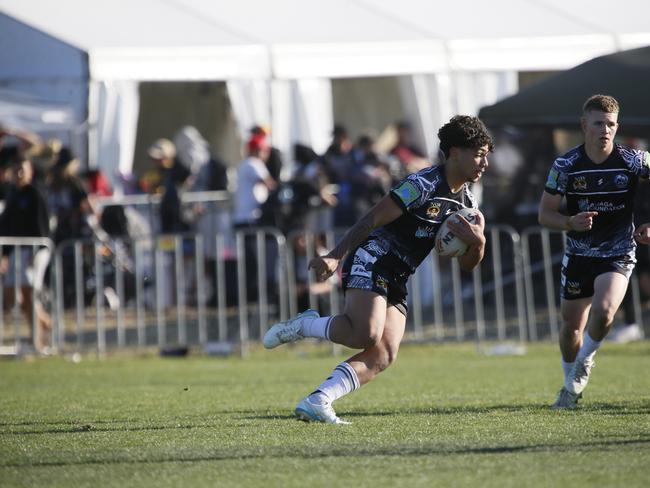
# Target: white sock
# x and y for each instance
(588, 349)
(567, 367)
(343, 380)
(319, 327)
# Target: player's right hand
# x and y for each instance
(582, 221)
(323, 266)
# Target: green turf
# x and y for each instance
(441, 416)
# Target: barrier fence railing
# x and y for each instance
(27, 259)
(165, 291)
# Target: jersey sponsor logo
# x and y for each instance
(433, 210)
(407, 192)
(621, 180)
(585, 206)
(580, 183)
(426, 231)
(600, 181)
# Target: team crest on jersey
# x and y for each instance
(580, 183)
(573, 287)
(433, 210)
(621, 180)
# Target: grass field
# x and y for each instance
(443, 415)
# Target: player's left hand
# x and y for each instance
(470, 234)
(642, 234)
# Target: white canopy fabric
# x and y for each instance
(207, 39)
(456, 55)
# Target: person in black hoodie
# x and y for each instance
(25, 215)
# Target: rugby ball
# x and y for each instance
(447, 244)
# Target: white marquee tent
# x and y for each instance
(279, 57)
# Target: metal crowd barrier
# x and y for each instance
(30, 255)
(542, 251)
(165, 291)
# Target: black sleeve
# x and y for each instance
(42, 214)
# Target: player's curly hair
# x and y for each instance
(464, 131)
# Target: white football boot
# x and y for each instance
(577, 379)
(317, 412)
(566, 399)
(288, 331)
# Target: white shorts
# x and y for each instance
(31, 267)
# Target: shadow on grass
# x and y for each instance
(600, 408)
(63, 427)
(358, 451)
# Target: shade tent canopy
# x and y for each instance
(206, 39)
(32, 113)
(278, 58)
(557, 100)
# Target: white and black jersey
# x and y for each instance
(607, 188)
(427, 201)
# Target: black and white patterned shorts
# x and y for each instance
(578, 273)
(383, 274)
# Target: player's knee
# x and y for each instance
(370, 338)
(386, 356)
(570, 333)
(603, 315)
(391, 354)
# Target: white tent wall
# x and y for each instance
(296, 111)
(250, 100)
(113, 127)
(313, 117)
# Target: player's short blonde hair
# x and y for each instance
(601, 103)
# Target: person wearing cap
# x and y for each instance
(253, 183)
(162, 154)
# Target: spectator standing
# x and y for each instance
(208, 173)
(164, 163)
(409, 154)
(253, 183)
(67, 199)
(25, 215)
